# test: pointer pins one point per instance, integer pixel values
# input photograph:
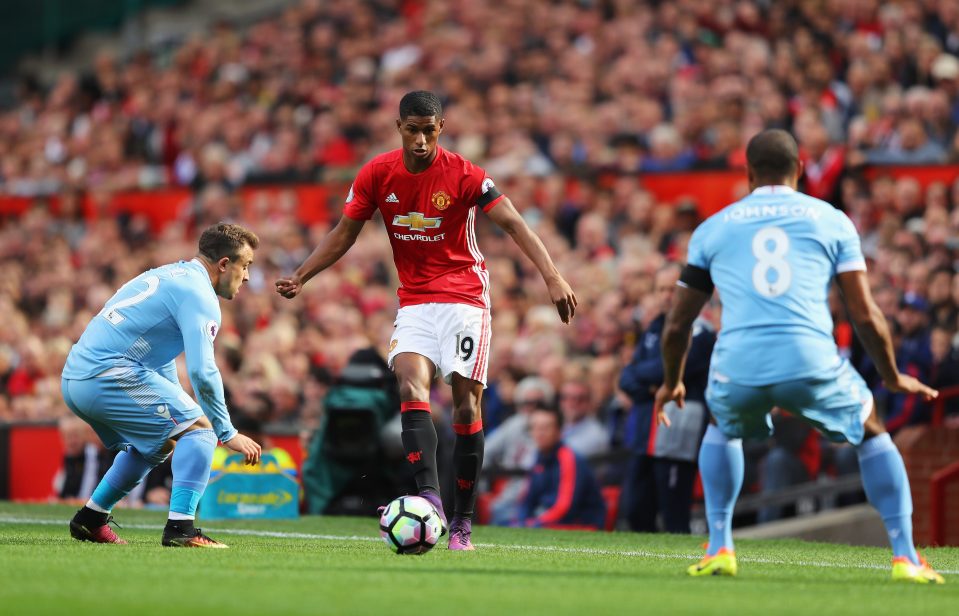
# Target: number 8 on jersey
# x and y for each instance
(772, 274)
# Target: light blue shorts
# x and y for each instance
(836, 405)
(132, 407)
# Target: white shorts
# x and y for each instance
(455, 337)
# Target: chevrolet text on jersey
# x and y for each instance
(431, 221)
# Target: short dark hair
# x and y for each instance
(942, 269)
(773, 154)
(225, 240)
(420, 103)
(554, 412)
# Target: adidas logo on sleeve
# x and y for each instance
(392, 198)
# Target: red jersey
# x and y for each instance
(431, 220)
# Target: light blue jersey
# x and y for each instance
(141, 330)
(772, 257)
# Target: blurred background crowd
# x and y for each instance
(567, 104)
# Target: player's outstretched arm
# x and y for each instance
(328, 252)
(504, 214)
(677, 331)
(871, 326)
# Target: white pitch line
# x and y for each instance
(524, 548)
(225, 531)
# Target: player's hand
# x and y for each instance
(562, 296)
(247, 446)
(906, 384)
(665, 395)
(289, 287)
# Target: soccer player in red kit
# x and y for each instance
(428, 197)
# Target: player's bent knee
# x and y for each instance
(165, 451)
(872, 429)
(414, 373)
(467, 413)
(873, 425)
(412, 390)
(203, 423)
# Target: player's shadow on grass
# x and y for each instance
(497, 571)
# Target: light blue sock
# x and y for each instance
(192, 459)
(887, 487)
(129, 468)
(721, 466)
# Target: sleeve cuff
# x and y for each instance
(229, 434)
(858, 265)
(357, 216)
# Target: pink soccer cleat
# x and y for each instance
(460, 531)
(99, 534)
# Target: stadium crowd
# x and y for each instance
(567, 104)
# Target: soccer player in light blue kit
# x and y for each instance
(772, 256)
(121, 379)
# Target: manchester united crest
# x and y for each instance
(441, 200)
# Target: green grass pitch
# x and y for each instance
(340, 566)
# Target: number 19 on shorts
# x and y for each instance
(464, 347)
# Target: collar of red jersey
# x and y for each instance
(778, 189)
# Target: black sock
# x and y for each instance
(183, 526)
(419, 441)
(467, 463)
(91, 518)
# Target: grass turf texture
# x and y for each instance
(340, 566)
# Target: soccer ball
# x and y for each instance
(410, 525)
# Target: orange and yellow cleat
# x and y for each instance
(721, 563)
(904, 570)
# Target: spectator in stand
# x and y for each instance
(563, 493)
(907, 201)
(725, 149)
(798, 454)
(793, 458)
(939, 289)
(85, 462)
(666, 151)
(662, 468)
(29, 370)
(511, 448)
(912, 343)
(945, 76)
(945, 364)
(909, 146)
(938, 117)
(824, 162)
(582, 431)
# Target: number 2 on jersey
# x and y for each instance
(770, 245)
(115, 318)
